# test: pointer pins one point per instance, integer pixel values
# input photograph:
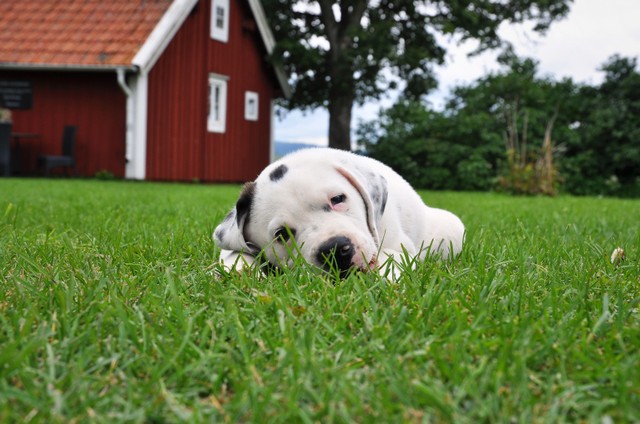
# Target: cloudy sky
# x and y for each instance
(574, 47)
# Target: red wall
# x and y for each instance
(179, 147)
(92, 101)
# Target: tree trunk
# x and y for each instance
(340, 107)
(340, 67)
(341, 96)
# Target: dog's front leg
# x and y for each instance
(235, 261)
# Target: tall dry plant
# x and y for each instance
(529, 171)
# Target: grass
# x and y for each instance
(110, 311)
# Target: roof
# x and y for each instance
(99, 34)
(76, 32)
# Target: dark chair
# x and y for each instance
(5, 148)
(68, 157)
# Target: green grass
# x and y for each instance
(110, 311)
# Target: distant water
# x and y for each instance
(283, 148)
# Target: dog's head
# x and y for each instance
(327, 211)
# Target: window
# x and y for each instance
(220, 20)
(217, 103)
(251, 106)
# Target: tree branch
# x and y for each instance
(352, 14)
(329, 20)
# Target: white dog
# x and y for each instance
(340, 211)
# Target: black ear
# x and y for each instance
(229, 234)
(373, 190)
(243, 205)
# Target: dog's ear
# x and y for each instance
(229, 234)
(373, 190)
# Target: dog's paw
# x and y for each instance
(233, 261)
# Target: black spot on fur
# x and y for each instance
(383, 205)
(243, 205)
(375, 195)
(278, 173)
(381, 195)
(378, 193)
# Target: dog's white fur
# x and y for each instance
(326, 194)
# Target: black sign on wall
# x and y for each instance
(15, 94)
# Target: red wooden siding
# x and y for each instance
(179, 147)
(175, 114)
(91, 100)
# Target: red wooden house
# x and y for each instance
(159, 89)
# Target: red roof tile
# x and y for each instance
(76, 32)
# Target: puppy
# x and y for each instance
(339, 211)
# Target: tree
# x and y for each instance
(505, 123)
(434, 149)
(605, 159)
(344, 52)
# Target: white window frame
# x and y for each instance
(220, 20)
(251, 105)
(217, 117)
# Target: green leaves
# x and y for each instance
(343, 52)
(497, 125)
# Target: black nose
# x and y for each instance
(336, 253)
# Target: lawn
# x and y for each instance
(111, 311)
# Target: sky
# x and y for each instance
(574, 47)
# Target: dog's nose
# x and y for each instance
(336, 253)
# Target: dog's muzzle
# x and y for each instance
(336, 254)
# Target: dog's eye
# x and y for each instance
(336, 200)
(283, 234)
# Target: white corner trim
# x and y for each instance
(162, 34)
(136, 166)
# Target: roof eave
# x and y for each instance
(270, 43)
(162, 34)
(282, 80)
(65, 67)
